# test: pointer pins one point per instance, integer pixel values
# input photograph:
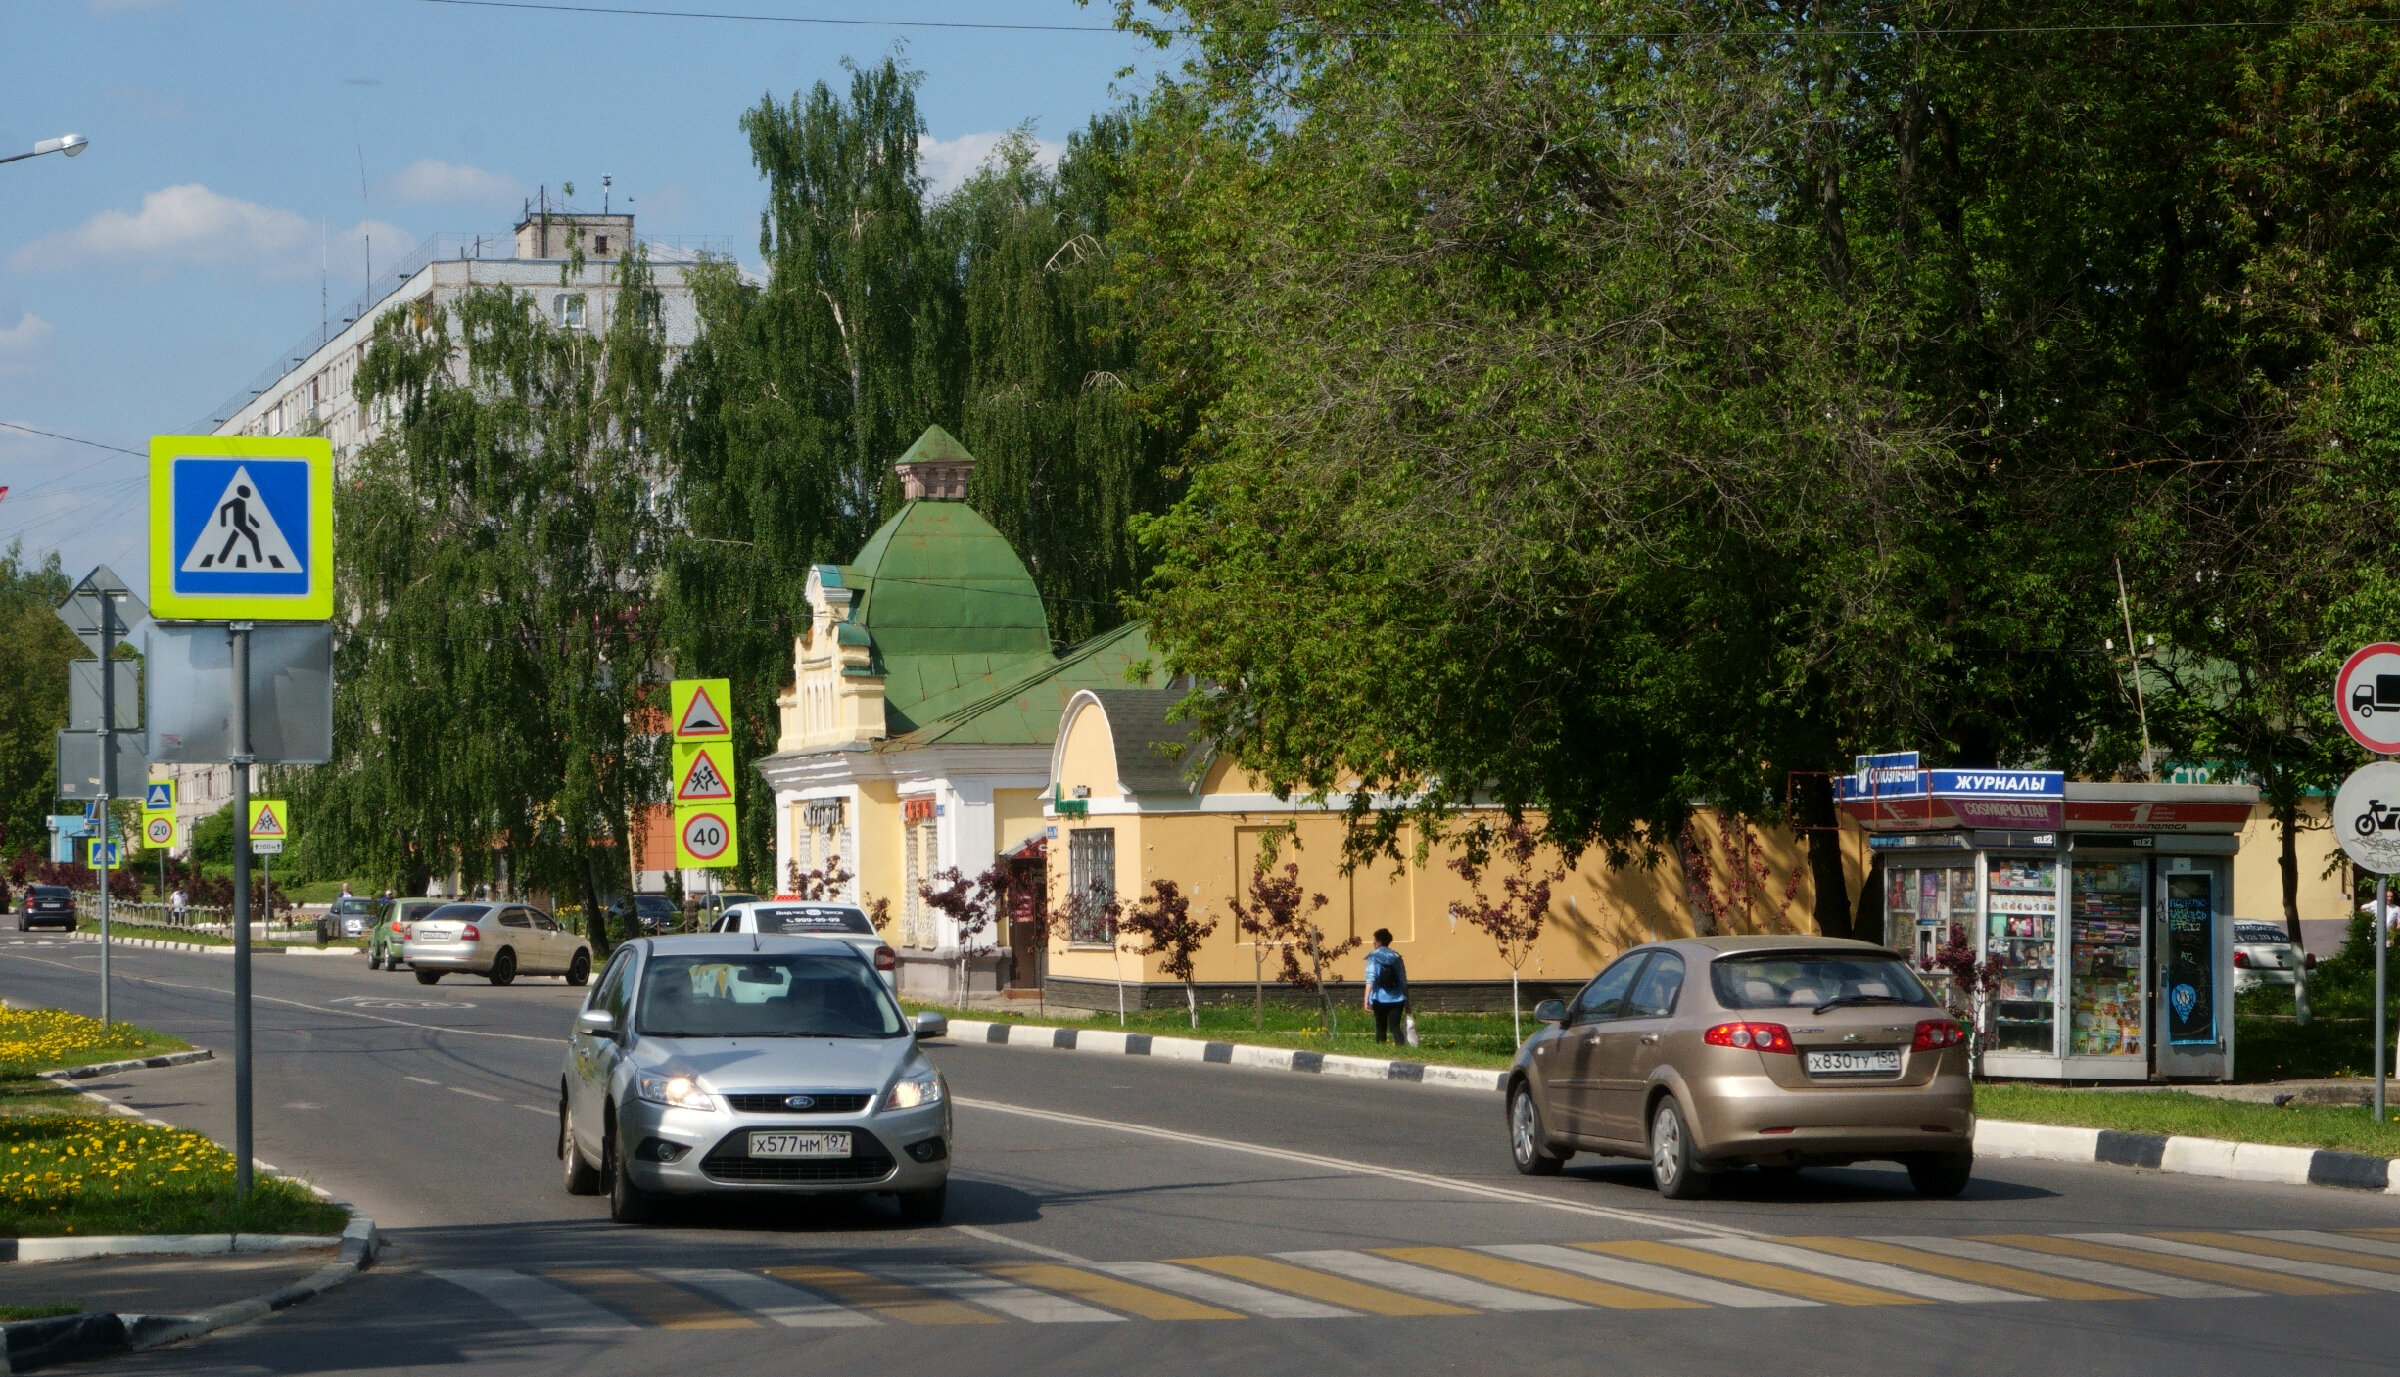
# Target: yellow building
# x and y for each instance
(1133, 802)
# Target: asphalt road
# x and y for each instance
(1077, 1175)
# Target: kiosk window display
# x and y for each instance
(2104, 906)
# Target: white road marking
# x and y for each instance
(422, 1081)
(550, 1309)
(1054, 1254)
(537, 1109)
(1881, 1274)
(2321, 1271)
(1225, 1291)
(788, 1306)
(1424, 1281)
(2078, 1268)
(2318, 1238)
(462, 1090)
(1646, 1276)
(1416, 1178)
(1005, 1297)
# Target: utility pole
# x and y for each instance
(240, 724)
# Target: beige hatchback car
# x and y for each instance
(1774, 1052)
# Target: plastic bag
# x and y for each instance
(1408, 1030)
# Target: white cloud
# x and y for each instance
(30, 332)
(430, 180)
(947, 163)
(190, 225)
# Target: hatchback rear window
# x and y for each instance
(1813, 979)
(809, 918)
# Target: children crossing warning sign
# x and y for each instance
(270, 820)
(699, 708)
(703, 773)
(704, 836)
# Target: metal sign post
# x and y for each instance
(2366, 821)
(240, 632)
(100, 610)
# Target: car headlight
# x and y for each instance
(915, 1092)
(675, 1092)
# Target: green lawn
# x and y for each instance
(37, 1040)
(1479, 1040)
(76, 1174)
(2197, 1116)
(53, 1310)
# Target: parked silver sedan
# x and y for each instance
(760, 1063)
(497, 941)
(2263, 954)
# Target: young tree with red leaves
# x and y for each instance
(1970, 987)
(973, 905)
(1280, 911)
(1168, 931)
(1514, 921)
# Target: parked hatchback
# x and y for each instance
(2263, 954)
(497, 941)
(1719, 1052)
(764, 1063)
(386, 941)
(46, 906)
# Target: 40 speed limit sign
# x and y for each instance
(705, 836)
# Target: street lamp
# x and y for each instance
(70, 145)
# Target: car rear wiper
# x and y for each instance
(1856, 999)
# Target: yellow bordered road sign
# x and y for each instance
(114, 848)
(270, 819)
(703, 772)
(158, 831)
(158, 796)
(705, 836)
(241, 528)
(699, 709)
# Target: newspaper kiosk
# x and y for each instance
(2108, 905)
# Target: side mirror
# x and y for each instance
(932, 1025)
(1551, 1011)
(595, 1021)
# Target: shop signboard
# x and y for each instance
(2002, 798)
(2366, 697)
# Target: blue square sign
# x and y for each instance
(241, 528)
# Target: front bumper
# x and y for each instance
(446, 956)
(715, 1154)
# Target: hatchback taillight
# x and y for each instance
(1758, 1037)
(469, 934)
(2240, 957)
(1936, 1033)
(886, 959)
(400, 930)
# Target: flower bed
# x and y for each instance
(37, 1040)
(75, 1174)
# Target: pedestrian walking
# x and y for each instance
(179, 905)
(1387, 989)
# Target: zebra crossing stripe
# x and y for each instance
(667, 1307)
(788, 1306)
(994, 1293)
(1283, 1276)
(1751, 1272)
(2325, 1238)
(2191, 1246)
(1112, 1292)
(1986, 1273)
(1225, 1291)
(2105, 1274)
(2159, 1260)
(1888, 1277)
(1667, 1281)
(890, 1299)
(542, 1306)
(1446, 1287)
(2300, 1249)
(1518, 1275)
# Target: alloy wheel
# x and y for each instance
(1666, 1146)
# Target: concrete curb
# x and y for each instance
(1993, 1137)
(28, 1345)
(175, 1245)
(110, 1068)
(256, 948)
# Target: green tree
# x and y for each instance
(35, 647)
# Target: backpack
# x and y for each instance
(1391, 976)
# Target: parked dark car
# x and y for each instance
(46, 906)
(655, 913)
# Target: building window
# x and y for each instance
(599, 243)
(568, 309)
(1091, 886)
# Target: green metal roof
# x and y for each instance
(947, 602)
(1023, 707)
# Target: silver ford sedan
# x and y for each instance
(750, 1063)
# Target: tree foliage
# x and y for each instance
(35, 647)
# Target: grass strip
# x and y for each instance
(48, 1310)
(64, 1174)
(196, 938)
(2343, 1128)
(37, 1040)
(1480, 1040)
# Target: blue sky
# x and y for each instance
(244, 149)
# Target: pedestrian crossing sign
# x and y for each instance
(699, 709)
(159, 796)
(104, 855)
(703, 772)
(270, 820)
(241, 528)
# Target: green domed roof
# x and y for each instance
(947, 602)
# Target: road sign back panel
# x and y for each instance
(241, 528)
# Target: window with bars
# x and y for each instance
(1091, 885)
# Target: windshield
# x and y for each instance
(813, 918)
(1807, 979)
(766, 994)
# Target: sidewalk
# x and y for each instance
(158, 1285)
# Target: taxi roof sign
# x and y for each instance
(270, 819)
(241, 528)
(699, 709)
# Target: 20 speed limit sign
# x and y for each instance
(705, 836)
(158, 830)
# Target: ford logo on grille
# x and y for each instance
(800, 1102)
